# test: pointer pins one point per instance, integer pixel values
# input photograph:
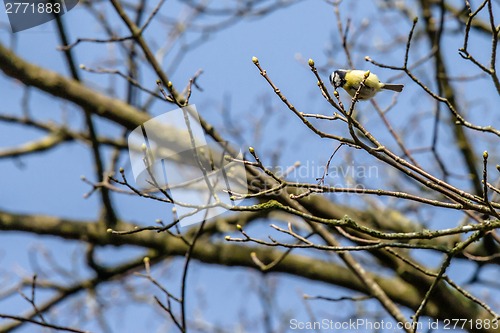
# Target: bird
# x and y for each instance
(350, 80)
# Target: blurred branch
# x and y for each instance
(24, 320)
(230, 254)
(463, 17)
(49, 142)
(64, 292)
(108, 210)
(446, 90)
(62, 87)
(464, 51)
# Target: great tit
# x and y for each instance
(350, 79)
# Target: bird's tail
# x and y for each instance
(394, 87)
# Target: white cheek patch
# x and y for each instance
(337, 80)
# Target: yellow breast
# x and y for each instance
(354, 79)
